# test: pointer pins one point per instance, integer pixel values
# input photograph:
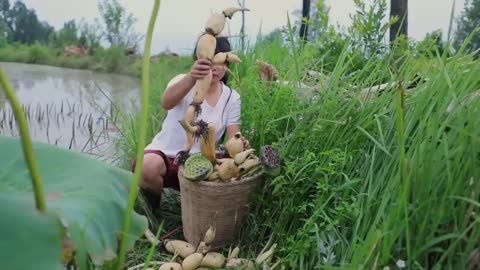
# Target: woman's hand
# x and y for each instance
(246, 143)
(176, 91)
(200, 69)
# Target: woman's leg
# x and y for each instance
(153, 172)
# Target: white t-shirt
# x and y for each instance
(172, 137)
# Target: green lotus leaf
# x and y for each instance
(87, 196)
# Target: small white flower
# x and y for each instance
(401, 264)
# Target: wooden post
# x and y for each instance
(399, 8)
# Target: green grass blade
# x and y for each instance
(143, 129)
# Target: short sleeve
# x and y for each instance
(234, 110)
(175, 79)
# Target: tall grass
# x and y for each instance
(365, 184)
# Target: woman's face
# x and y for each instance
(218, 71)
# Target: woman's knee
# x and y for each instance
(153, 169)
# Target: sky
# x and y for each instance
(180, 22)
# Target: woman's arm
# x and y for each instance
(232, 129)
(177, 91)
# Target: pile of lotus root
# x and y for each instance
(238, 163)
(188, 257)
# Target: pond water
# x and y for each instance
(73, 109)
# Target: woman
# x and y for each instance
(221, 107)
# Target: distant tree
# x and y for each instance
(317, 23)
(5, 17)
(3, 34)
(68, 34)
(90, 34)
(275, 35)
(431, 44)
(368, 30)
(118, 25)
(399, 9)
(23, 24)
(82, 41)
(319, 19)
(4, 7)
(4, 30)
(44, 30)
(468, 23)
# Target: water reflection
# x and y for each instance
(69, 108)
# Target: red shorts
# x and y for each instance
(170, 180)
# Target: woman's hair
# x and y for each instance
(223, 45)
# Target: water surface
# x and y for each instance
(73, 109)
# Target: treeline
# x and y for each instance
(115, 28)
(371, 22)
(20, 24)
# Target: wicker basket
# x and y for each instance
(205, 202)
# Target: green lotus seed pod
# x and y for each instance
(197, 167)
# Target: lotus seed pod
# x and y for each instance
(270, 160)
(197, 167)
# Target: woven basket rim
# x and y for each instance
(216, 184)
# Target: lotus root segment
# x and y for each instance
(216, 23)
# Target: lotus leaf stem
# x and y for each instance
(143, 130)
(26, 142)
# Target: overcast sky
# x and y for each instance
(177, 28)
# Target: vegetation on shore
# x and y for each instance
(106, 44)
(111, 60)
